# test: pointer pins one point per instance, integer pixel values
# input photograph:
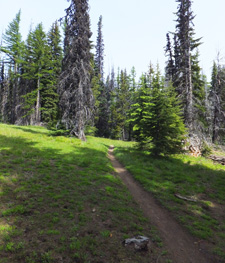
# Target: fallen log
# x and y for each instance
(218, 159)
(186, 198)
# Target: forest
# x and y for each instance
(90, 162)
(58, 82)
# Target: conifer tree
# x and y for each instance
(102, 112)
(184, 71)
(199, 96)
(35, 71)
(13, 48)
(184, 32)
(137, 110)
(170, 68)
(76, 97)
(157, 118)
(217, 99)
(49, 103)
(99, 54)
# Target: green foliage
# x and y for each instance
(205, 149)
(122, 99)
(13, 45)
(137, 111)
(90, 130)
(156, 118)
(43, 64)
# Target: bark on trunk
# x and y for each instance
(37, 108)
(189, 96)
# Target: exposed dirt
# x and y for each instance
(182, 246)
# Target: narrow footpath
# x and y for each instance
(182, 246)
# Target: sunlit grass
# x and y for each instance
(61, 199)
(195, 178)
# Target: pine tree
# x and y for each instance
(35, 71)
(13, 48)
(137, 110)
(158, 124)
(76, 97)
(49, 102)
(99, 54)
(170, 68)
(102, 116)
(217, 99)
(184, 45)
(120, 106)
(199, 97)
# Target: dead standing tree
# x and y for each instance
(76, 98)
(182, 69)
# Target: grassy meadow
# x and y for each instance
(61, 201)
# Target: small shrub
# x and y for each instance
(206, 150)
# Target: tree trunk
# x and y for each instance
(189, 96)
(37, 108)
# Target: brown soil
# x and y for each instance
(181, 245)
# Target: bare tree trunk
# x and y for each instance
(14, 94)
(38, 102)
(189, 97)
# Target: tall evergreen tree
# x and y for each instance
(13, 48)
(49, 103)
(35, 71)
(120, 106)
(170, 68)
(137, 110)
(184, 71)
(184, 32)
(102, 112)
(99, 54)
(217, 99)
(199, 97)
(76, 97)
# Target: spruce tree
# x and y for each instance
(170, 68)
(35, 71)
(157, 118)
(137, 110)
(99, 54)
(102, 111)
(217, 99)
(76, 97)
(49, 102)
(13, 48)
(120, 106)
(199, 97)
(184, 74)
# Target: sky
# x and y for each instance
(134, 31)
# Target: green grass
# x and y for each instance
(187, 176)
(61, 201)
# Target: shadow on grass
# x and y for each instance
(27, 129)
(189, 177)
(58, 206)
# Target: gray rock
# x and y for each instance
(139, 242)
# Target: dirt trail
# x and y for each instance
(181, 245)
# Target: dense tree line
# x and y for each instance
(43, 81)
(29, 75)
